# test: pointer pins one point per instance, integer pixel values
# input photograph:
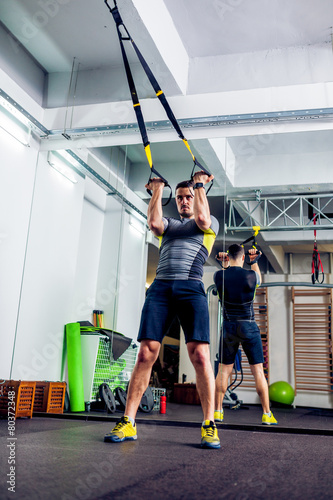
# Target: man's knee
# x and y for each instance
(199, 355)
(148, 353)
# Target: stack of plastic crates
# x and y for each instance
(49, 397)
(116, 373)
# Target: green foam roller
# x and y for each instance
(74, 362)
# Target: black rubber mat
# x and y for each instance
(62, 459)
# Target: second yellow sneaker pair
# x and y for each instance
(268, 419)
(219, 415)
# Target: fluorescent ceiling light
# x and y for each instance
(136, 224)
(61, 166)
(14, 127)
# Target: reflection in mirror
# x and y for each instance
(296, 339)
(78, 248)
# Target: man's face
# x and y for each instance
(184, 200)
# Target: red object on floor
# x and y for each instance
(163, 404)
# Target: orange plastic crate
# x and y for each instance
(24, 398)
(49, 397)
(41, 393)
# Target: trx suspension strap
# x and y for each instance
(316, 260)
(159, 93)
(252, 238)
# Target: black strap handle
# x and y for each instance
(166, 184)
(197, 164)
(254, 261)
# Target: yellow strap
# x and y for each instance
(256, 230)
(159, 93)
(138, 104)
(188, 147)
(148, 154)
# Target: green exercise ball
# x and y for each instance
(281, 392)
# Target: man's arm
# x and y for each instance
(255, 267)
(200, 206)
(155, 213)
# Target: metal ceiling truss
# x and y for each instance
(199, 122)
(287, 213)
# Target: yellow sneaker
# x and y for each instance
(209, 437)
(123, 431)
(219, 415)
(269, 419)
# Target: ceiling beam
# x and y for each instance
(160, 26)
(275, 256)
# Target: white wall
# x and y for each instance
(17, 174)
(107, 280)
(48, 279)
(122, 271)
(89, 249)
(132, 274)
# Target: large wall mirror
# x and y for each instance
(73, 235)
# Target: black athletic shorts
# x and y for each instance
(167, 299)
(246, 333)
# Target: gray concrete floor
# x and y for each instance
(66, 458)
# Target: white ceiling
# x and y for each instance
(55, 32)
(221, 27)
(63, 30)
(211, 58)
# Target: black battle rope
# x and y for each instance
(252, 238)
(316, 260)
(136, 103)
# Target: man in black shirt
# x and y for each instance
(236, 288)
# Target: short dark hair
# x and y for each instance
(185, 184)
(235, 251)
